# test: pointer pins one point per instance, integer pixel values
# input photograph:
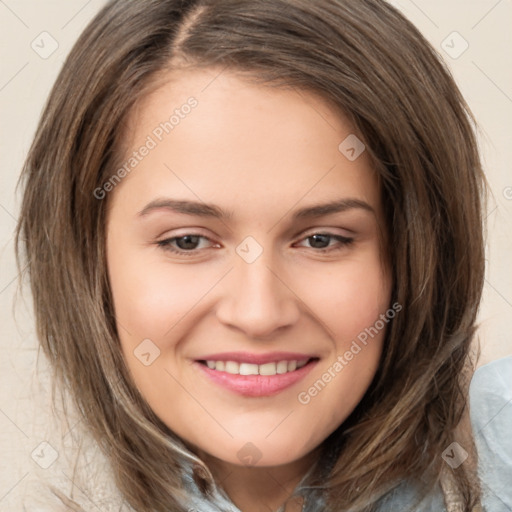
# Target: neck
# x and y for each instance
(261, 489)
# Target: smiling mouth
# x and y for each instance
(267, 369)
(256, 380)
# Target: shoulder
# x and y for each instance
(491, 417)
(490, 400)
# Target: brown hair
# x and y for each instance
(362, 56)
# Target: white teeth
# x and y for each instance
(282, 367)
(232, 367)
(268, 369)
(235, 368)
(248, 369)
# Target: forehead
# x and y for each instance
(241, 140)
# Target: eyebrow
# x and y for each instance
(201, 209)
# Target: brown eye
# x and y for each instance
(188, 243)
(319, 241)
(322, 241)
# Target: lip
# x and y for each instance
(256, 385)
(252, 358)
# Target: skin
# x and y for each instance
(261, 154)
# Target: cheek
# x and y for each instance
(153, 300)
(350, 303)
(350, 300)
(151, 296)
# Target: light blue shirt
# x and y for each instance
(491, 418)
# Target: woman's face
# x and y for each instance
(245, 264)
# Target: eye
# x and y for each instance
(188, 243)
(322, 241)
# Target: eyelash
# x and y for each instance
(166, 244)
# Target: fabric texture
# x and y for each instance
(491, 418)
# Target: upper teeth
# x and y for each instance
(256, 369)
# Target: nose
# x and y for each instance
(257, 300)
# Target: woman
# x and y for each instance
(254, 238)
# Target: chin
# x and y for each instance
(258, 453)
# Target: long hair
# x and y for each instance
(361, 56)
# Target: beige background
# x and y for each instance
(483, 72)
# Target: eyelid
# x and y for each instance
(188, 233)
(327, 231)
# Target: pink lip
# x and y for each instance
(256, 385)
(247, 357)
